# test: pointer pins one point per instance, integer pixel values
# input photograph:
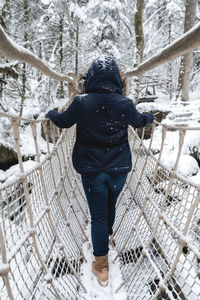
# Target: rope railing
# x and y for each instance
(41, 220)
(157, 226)
(44, 216)
(184, 44)
(9, 49)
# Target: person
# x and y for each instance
(101, 152)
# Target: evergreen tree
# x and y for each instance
(103, 28)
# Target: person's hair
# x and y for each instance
(80, 81)
(81, 78)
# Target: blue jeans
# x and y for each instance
(101, 192)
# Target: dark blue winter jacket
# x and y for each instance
(102, 117)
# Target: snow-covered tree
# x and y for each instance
(103, 28)
(163, 23)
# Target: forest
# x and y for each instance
(46, 249)
(68, 35)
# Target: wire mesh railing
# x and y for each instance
(44, 216)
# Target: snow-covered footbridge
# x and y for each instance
(44, 246)
(44, 220)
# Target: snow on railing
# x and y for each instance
(186, 43)
(10, 49)
(44, 216)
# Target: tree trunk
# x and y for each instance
(139, 35)
(23, 91)
(61, 55)
(170, 77)
(77, 45)
(5, 9)
(39, 74)
(5, 15)
(186, 60)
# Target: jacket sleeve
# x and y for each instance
(68, 118)
(138, 120)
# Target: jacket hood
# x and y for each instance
(103, 77)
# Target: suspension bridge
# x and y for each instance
(44, 213)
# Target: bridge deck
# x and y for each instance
(44, 230)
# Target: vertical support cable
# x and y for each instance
(5, 268)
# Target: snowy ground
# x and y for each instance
(94, 290)
(12, 172)
(181, 114)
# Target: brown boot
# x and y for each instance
(100, 269)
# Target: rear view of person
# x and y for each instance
(101, 153)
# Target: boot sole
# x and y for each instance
(101, 283)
